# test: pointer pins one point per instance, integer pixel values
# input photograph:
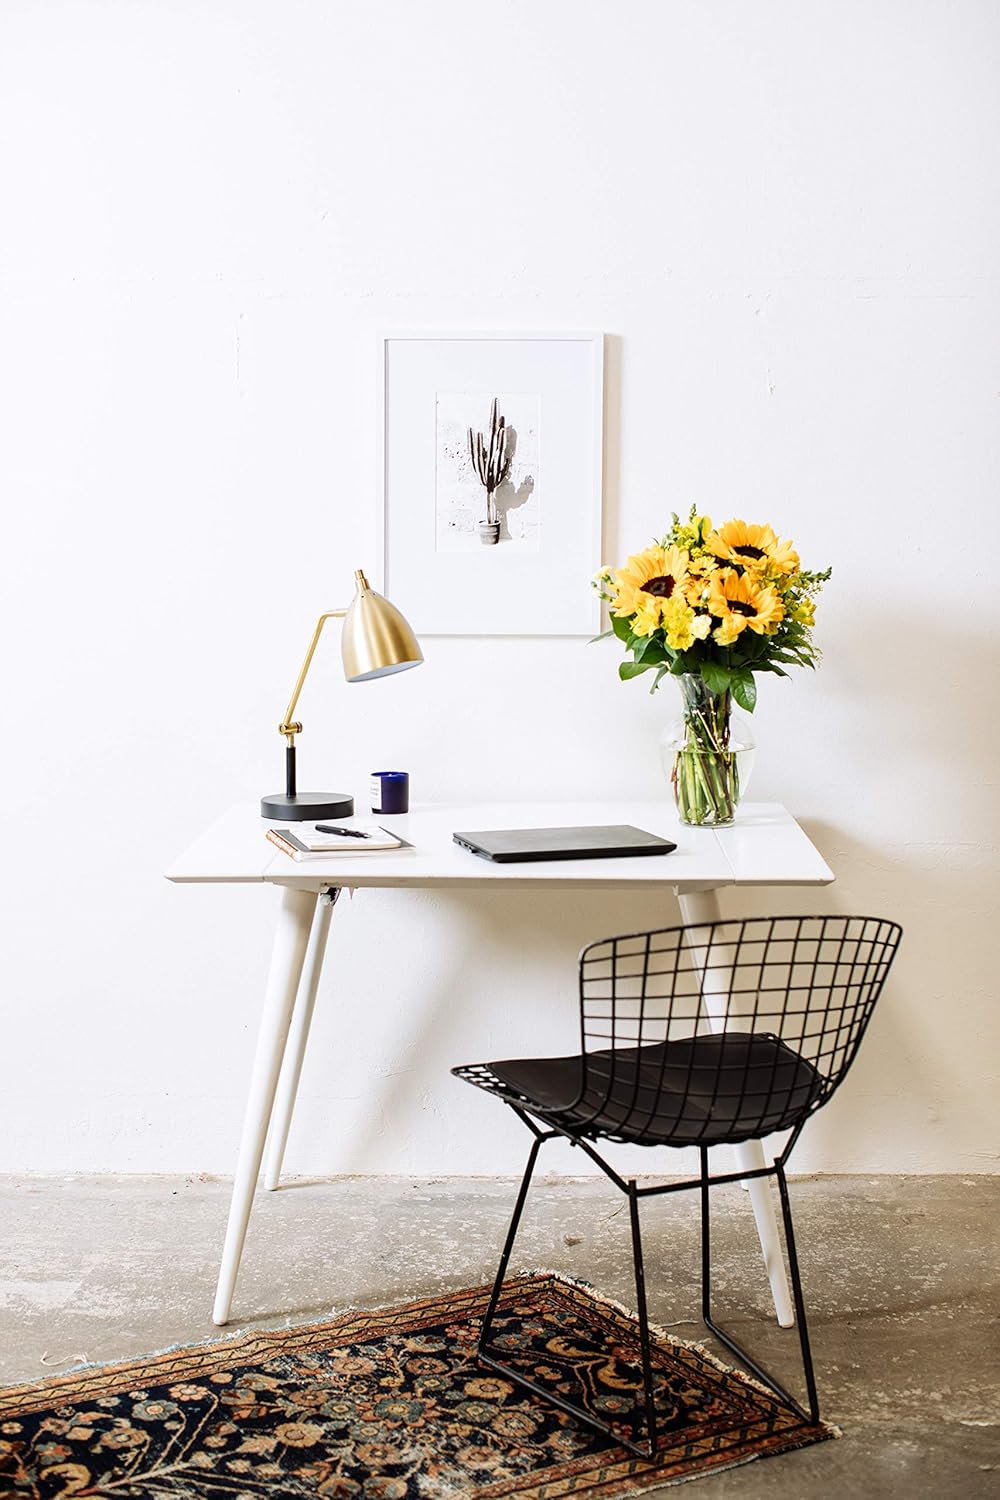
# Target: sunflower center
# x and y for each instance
(662, 587)
(755, 552)
(740, 607)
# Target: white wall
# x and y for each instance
(786, 218)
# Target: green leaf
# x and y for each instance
(630, 669)
(717, 679)
(621, 627)
(745, 691)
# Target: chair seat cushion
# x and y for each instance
(707, 1089)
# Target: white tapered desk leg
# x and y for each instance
(703, 906)
(298, 1036)
(287, 957)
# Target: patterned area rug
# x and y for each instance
(390, 1405)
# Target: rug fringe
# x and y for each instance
(91, 1365)
(657, 1482)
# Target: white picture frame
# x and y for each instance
(534, 577)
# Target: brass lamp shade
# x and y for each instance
(376, 639)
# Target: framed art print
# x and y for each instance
(491, 460)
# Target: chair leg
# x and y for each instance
(640, 1304)
(812, 1415)
(485, 1358)
(508, 1246)
(800, 1306)
(706, 1245)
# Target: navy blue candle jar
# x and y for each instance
(390, 792)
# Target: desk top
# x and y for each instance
(764, 847)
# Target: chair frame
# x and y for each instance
(890, 934)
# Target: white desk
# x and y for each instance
(765, 847)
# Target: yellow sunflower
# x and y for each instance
(754, 548)
(737, 601)
(653, 574)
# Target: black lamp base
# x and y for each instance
(306, 807)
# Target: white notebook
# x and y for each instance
(306, 840)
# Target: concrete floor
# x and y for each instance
(902, 1279)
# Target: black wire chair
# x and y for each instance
(706, 1035)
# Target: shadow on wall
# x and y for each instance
(613, 350)
(931, 721)
(537, 943)
(913, 1058)
(912, 1068)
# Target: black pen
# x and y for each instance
(349, 833)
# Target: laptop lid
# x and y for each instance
(606, 841)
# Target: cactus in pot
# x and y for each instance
(491, 462)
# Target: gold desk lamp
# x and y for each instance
(376, 640)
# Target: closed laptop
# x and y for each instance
(606, 841)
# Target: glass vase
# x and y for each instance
(707, 755)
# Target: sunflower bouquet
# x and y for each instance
(712, 607)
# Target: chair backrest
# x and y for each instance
(764, 1016)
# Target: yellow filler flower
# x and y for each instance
(681, 626)
(648, 617)
(738, 602)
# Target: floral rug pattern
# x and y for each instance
(390, 1405)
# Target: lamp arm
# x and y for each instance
(288, 727)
